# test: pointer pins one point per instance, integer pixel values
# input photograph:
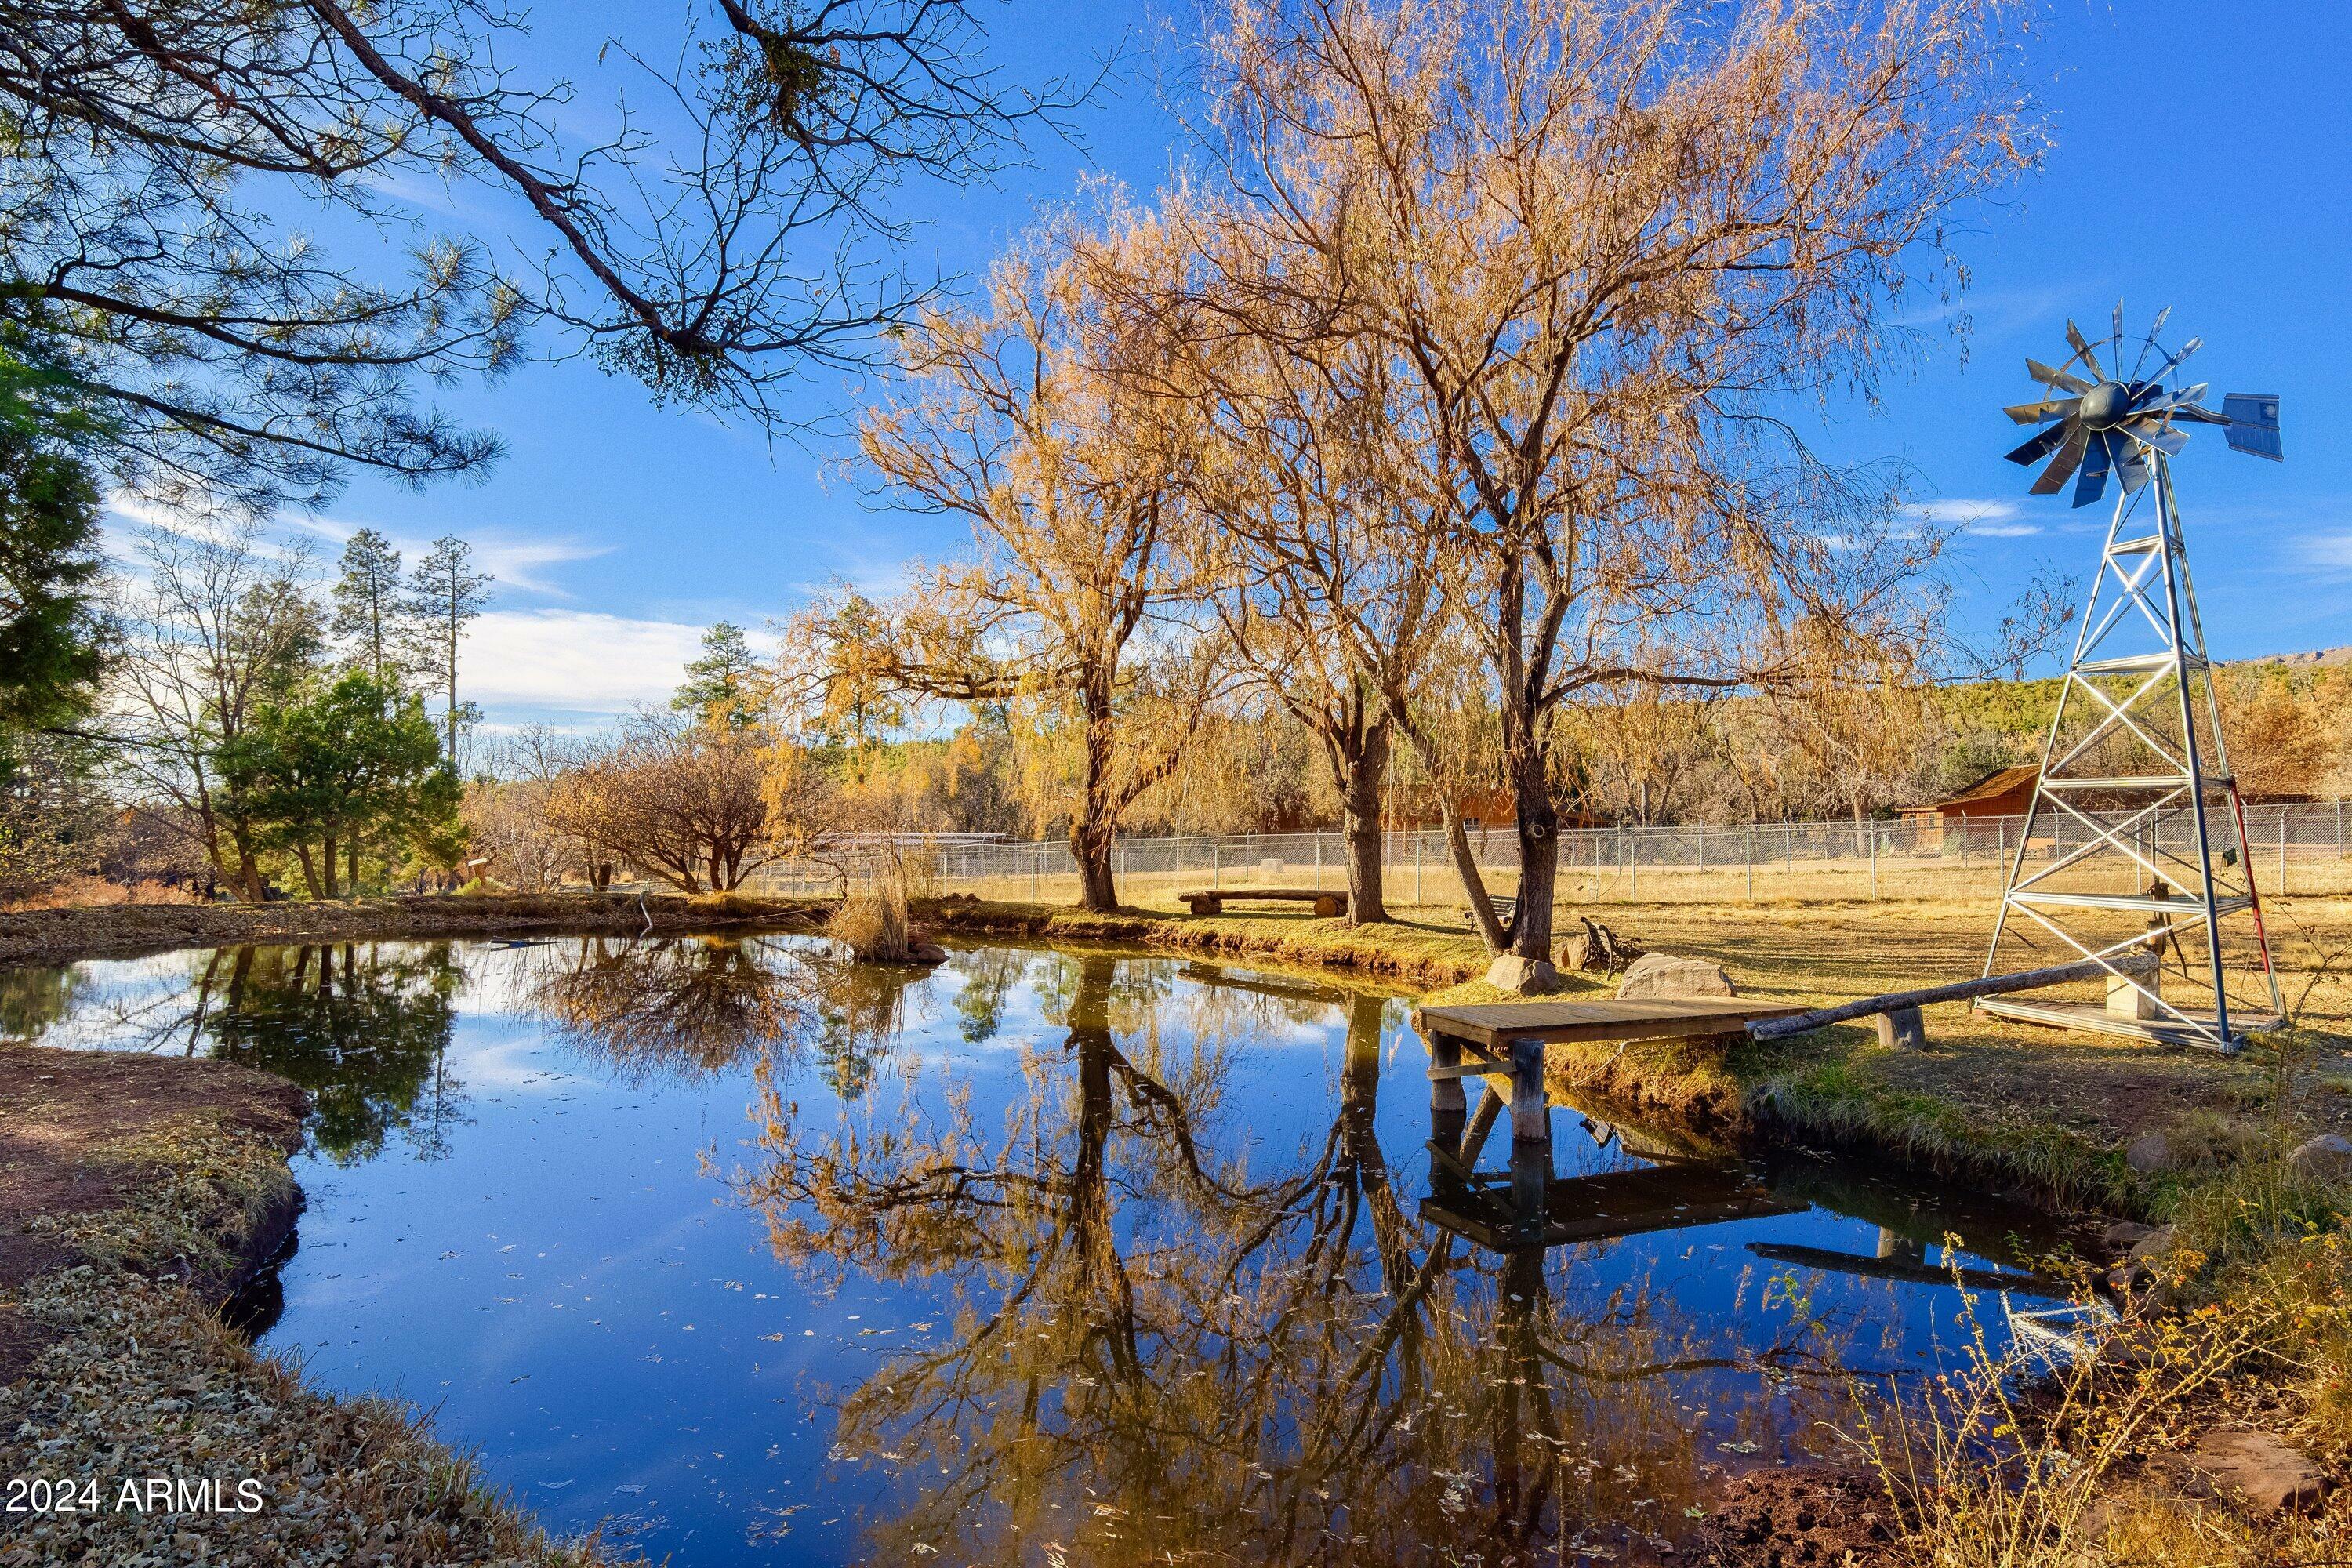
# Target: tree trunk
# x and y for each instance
(329, 868)
(352, 864)
(1363, 771)
(1097, 821)
(310, 870)
(1539, 853)
(248, 869)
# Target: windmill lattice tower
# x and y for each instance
(2134, 843)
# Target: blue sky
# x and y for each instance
(2199, 162)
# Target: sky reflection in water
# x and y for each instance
(1046, 1256)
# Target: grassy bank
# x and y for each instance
(136, 1194)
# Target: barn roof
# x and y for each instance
(1992, 786)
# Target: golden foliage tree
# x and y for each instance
(1596, 238)
(1073, 608)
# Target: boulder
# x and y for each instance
(926, 952)
(2150, 1153)
(1580, 951)
(2326, 1158)
(1522, 976)
(1665, 975)
(2124, 1235)
(2272, 1476)
(2155, 1244)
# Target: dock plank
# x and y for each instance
(1493, 1025)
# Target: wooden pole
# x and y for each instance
(1959, 991)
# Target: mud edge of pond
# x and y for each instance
(121, 931)
(138, 1195)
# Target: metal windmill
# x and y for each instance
(2135, 831)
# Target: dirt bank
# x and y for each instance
(136, 1194)
(121, 931)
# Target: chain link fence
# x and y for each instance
(2299, 848)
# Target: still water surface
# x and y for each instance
(755, 1256)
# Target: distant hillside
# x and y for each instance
(2318, 658)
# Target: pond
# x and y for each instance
(757, 1255)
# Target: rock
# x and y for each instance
(1579, 952)
(926, 952)
(1522, 976)
(1902, 1029)
(2125, 1234)
(1664, 975)
(2326, 1158)
(2155, 1244)
(2272, 1476)
(2150, 1153)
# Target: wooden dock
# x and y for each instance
(1492, 1027)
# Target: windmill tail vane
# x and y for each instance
(2103, 419)
(2134, 852)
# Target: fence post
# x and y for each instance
(1416, 865)
(1747, 853)
(1874, 862)
(1318, 862)
(2282, 822)
(1036, 853)
(1632, 868)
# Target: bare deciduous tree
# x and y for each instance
(684, 802)
(221, 625)
(1600, 238)
(1309, 488)
(1025, 425)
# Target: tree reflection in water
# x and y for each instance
(364, 1028)
(680, 1008)
(1160, 1354)
(683, 1008)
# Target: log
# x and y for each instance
(1958, 991)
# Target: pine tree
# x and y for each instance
(368, 607)
(444, 593)
(718, 685)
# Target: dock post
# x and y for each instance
(1530, 1137)
(1531, 1116)
(1447, 1106)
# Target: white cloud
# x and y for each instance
(1984, 519)
(515, 563)
(2328, 551)
(580, 661)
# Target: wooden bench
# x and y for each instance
(1505, 906)
(1214, 902)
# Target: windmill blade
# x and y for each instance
(2156, 400)
(2115, 343)
(2252, 424)
(2082, 349)
(2092, 483)
(2048, 376)
(2135, 472)
(2152, 433)
(2177, 358)
(2041, 413)
(2191, 414)
(2036, 447)
(2149, 342)
(2062, 467)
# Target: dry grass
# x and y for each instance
(97, 892)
